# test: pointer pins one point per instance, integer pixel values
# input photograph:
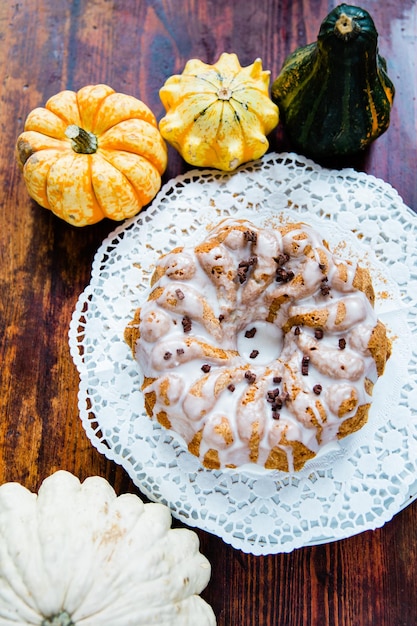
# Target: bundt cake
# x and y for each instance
(258, 345)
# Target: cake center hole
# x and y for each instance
(260, 342)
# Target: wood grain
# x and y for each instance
(134, 46)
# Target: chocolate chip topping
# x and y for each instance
(297, 330)
(254, 354)
(250, 376)
(243, 268)
(250, 333)
(342, 343)
(206, 368)
(277, 379)
(247, 263)
(282, 258)
(283, 276)
(317, 389)
(319, 333)
(304, 365)
(250, 235)
(186, 324)
(180, 351)
(285, 396)
(231, 387)
(272, 395)
(241, 274)
(180, 294)
(167, 356)
(324, 287)
(276, 400)
(277, 405)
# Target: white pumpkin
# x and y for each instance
(75, 554)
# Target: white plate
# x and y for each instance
(355, 486)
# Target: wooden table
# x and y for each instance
(134, 45)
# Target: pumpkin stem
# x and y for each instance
(82, 141)
(61, 619)
(346, 27)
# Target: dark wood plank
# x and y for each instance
(45, 264)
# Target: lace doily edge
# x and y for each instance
(205, 172)
(88, 293)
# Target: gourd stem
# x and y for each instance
(346, 27)
(82, 141)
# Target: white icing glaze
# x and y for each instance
(269, 342)
(202, 368)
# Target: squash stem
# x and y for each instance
(224, 93)
(82, 141)
(346, 27)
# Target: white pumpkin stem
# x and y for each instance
(82, 141)
(61, 619)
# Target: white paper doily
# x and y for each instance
(358, 485)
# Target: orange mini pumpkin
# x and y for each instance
(92, 154)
